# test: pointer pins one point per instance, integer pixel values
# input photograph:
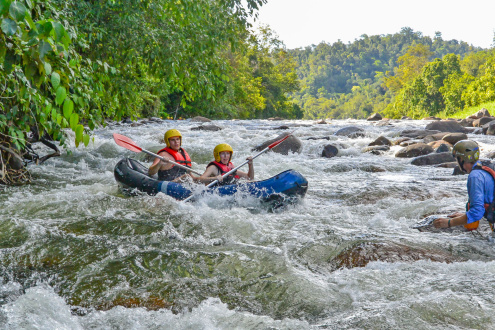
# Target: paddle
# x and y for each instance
(274, 144)
(127, 143)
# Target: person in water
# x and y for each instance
(174, 152)
(480, 187)
(222, 164)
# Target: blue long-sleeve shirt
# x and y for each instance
(480, 186)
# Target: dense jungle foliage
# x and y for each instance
(72, 64)
(401, 74)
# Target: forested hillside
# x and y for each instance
(356, 79)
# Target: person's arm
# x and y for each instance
(210, 175)
(159, 164)
(450, 222)
(250, 174)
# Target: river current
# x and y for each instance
(75, 253)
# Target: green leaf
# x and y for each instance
(48, 68)
(9, 27)
(79, 134)
(17, 11)
(4, 6)
(30, 70)
(74, 120)
(55, 78)
(61, 95)
(68, 108)
(59, 118)
(86, 140)
(59, 30)
(10, 60)
(45, 47)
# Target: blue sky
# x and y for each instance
(301, 23)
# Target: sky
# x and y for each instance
(301, 23)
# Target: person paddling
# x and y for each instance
(174, 152)
(480, 186)
(222, 164)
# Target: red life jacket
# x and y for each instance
(181, 157)
(231, 178)
(489, 208)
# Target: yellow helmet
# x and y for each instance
(221, 148)
(172, 133)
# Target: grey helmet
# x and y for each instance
(466, 151)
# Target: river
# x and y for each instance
(77, 254)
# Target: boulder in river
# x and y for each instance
(381, 141)
(329, 151)
(445, 126)
(414, 150)
(351, 132)
(433, 159)
(482, 121)
(210, 127)
(417, 133)
(200, 119)
(374, 117)
(453, 138)
(360, 254)
(376, 150)
(292, 144)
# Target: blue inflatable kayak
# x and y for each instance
(131, 174)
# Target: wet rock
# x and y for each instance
(443, 148)
(468, 122)
(453, 138)
(360, 254)
(374, 117)
(211, 128)
(383, 123)
(482, 113)
(376, 150)
(491, 155)
(371, 168)
(126, 120)
(417, 133)
(321, 122)
(414, 150)
(447, 165)
(434, 137)
(445, 126)
(482, 121)
(329, 151)
(282, 127)
(409, 142)
(292, 144)
(399, 141)
(437, 144)
(381, 141)
(200, 119)
(318, 138)
(155, 119)
(432, 118)
(137, 124)
(351, 132)
(490, 128)
(433, 159)
(405, 118)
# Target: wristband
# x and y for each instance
(449, 223)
